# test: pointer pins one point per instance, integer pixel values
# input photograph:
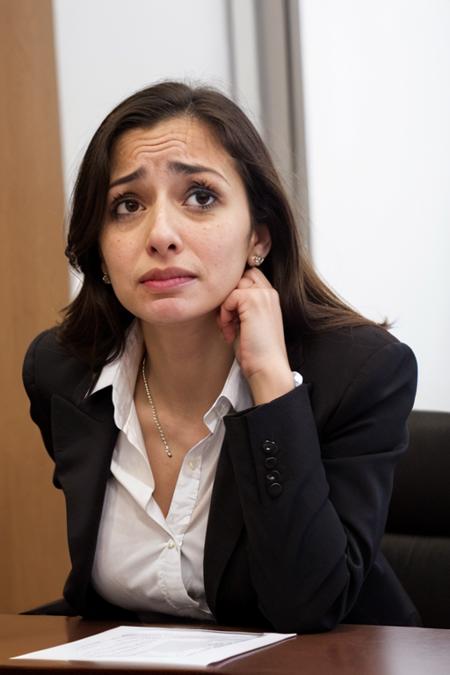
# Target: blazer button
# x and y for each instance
(274, 489)
(270, 447)
(273, 476)
(270, 462)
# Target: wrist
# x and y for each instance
(271, 384)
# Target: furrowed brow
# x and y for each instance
(122, 180)
(191, 169)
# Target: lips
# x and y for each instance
(166, 278)
(157, 274)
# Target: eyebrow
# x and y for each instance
(174, 167)
(139, 173)
(190, 169)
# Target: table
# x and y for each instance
(348, 650)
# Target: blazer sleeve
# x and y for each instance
(40, 399)
(315, 503)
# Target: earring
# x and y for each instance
(257, 260)
(105, 278)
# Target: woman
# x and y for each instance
(223, 427)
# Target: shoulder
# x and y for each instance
(49, 367)
(357, 363)
(346, 350)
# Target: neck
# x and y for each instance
(188, 364)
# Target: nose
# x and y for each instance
(163, 233)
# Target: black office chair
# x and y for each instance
(417, 539)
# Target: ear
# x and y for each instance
(260, 241)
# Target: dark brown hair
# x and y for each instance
(95, 323)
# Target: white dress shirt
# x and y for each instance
(143, 561)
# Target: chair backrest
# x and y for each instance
(417, 539)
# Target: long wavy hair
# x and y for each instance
(94, 325)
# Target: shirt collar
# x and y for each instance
(122, 372)
(121, 375)
(235, 395)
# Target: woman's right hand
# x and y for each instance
(250, 318)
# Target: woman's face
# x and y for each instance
(177, 234)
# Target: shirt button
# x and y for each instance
(171, 544)
(192, 465)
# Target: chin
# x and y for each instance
(173, 311)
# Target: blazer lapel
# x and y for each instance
(225, 524)
(84, 437)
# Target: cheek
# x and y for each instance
(229, 239)
(226, 253)
(116, 252)
(226, 256)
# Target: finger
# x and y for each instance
(257, 278)
(245, 282)
(228, 324)
(230, 332)
(228, 308)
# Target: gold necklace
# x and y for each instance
(162, 436)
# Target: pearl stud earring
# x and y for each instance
(257, 260)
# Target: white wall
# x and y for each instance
(107, 49)
(377, 96)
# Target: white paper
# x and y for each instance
(146, 645)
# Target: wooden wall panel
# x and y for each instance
(33, 559)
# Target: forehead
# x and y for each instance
(182, 138)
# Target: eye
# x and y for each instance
(201, 198)
(125, 206)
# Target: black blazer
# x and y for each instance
(301, 493)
